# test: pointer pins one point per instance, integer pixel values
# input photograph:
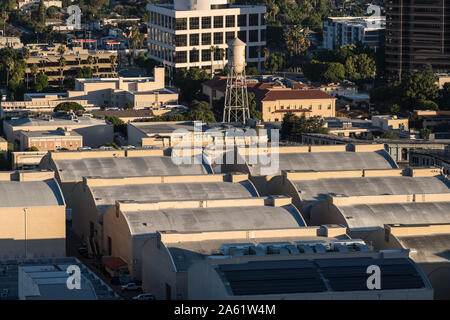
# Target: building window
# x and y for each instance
(206, 22)
(219, 54)
(181, 40)
(329, 107)
(242, 20)
(263, 35)
(253, 19)
(242, 35)
(218, 22)
(253, 36)
(194, 39)
(206, 55)
(253, 52)
(263, 19)
(180, 56)
(230, 21)
(320, 107)
(218, 37)
(206, 39)
(194, 23)
(181, 24)
(229, 36)
(193, 56)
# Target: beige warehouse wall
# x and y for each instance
(21, 229)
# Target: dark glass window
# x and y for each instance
(206, 39)
(218, 37)
(253, 19)
(253, 52)
(206, 22)
(253, 36)
(263, 35)
(206, 55)
(194, 23)
(218, 22)
(229, 36)
(263, 19)
(194, 39)
(242, 35)
(242, 20)
(180, 40)
(181, 24)
(181, 56)
(230, 21)
(193, 56)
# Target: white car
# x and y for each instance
(131, 286)
(144, 296)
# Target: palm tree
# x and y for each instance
(4, 17)
(34, 69)
(113, 60)
(212, 49)
(61, 50)
(9, 63)
(266, 56)
(62, 63)
(296, 40)
(26, 56)
(222, 56)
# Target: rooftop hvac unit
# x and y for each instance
(305, 248)
(341, 248)
(275, 247)
(259, 251)
(351, 243)
(225, 248)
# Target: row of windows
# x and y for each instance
(195, 23)
(293, 107)
(181, 40)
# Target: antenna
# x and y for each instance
(236, 97)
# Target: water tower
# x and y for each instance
(236, 96)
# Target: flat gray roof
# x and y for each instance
(377, 215)
(428, 248)
(49, 133)
(30, 194)
(75, 170)
(213, 219)
(320, 161)
(106, 196)
(36, 122)
(315, 190)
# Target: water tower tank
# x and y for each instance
(237, 60)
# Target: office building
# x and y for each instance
(51, 139)
(341, 31)
(189, 34)
(417, 33)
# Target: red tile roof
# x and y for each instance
(296, 94)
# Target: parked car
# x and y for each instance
(131, 286)
(144, 296)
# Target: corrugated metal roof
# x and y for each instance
(376, 215)
(313, 190)
(124, 167)
(320, 161)
(428, 248)
(213, 219)
(106, 196)
(30, 194)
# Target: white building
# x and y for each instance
(191, 33)
(341, 31)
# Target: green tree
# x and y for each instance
(69, 106)
(33, 148)
(425, 133)
(41, 82)
(128, 105)
(190, 83)
(360, 67)
(389, 135)
(293, 127)
(334, 72)
(201, 111)
(85, 73)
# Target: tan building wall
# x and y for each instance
(275, 110)
(51, 142)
